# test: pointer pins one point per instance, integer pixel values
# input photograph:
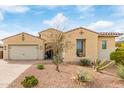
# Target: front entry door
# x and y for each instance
(49, 54)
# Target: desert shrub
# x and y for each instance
(118, 57)
(120, 71)
(118, 45)
(85, 62)
(101, 65)
(82, 77)
(29, 81)
(120, 49)
(40, 66)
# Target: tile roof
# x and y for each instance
(110, 34)
(114, 34)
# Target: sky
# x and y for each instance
(36, 18)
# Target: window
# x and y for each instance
(104, 44)
(80, 47)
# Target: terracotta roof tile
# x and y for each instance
(110, 34)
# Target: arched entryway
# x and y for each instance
(48, 51)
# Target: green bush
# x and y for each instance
(118, 57)
(120, 71)
(29, 81)
(85, 62)
(40, 66)
(82, 77)
(120, 49)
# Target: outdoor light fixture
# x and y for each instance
(81, 32)
(23, 38)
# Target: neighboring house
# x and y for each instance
(122, 41)
(120, 45)
(85, 43)
(1, 51)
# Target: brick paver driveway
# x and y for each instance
(9, 71)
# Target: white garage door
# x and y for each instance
(25, 52)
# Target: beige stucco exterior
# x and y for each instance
(28, 40)
(103, 54)
(47, 34)
(93, 45)
(1, 48)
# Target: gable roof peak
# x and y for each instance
(50, 29)
(20, 34)
(81, 28)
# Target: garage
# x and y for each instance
(23, 46)
(23, 52)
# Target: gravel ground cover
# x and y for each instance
(50, 78)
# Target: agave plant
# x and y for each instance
(82, 76)
(101, 65)
(120, 71)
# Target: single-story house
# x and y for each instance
(85, 44)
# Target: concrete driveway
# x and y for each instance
(9, 71)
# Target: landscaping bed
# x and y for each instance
(50, 78)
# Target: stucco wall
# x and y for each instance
(104, 54)
(1, 49)
(70, 53)
(28, 40)
(91, 45)
(47, 34)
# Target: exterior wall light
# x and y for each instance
(23, 37)
(81, 32)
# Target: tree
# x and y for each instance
(59, 44)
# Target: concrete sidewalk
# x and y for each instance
(10, 71)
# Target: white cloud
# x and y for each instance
(59, 20)
(121, 38)
(1, 43)
(108, 26)
(85, 8)
(85, 11)
(10, 9)
(101, 25)
(118, 28)
(4, 34)
(14, 9)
